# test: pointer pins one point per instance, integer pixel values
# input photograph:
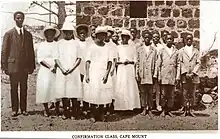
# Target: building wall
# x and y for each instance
(178, 17)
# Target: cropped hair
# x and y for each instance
(18, 12)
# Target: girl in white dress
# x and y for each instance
(82, 32)
(46, 74)
(127, 94)
(98, 90)
(113, 51)
(68, 84)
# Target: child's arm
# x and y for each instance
(113, 66)
(87, 70)
(109, 65)
(75, 65)
(59, 65)
(45, 64)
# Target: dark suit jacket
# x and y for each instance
(17, 55)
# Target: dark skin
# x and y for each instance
(100, 42)
(133, 33)
(19, 19)
(188, 42)
(68, 34)
(125, 39)
(115, 39)
(82, 34)
(169, 40)
(93, 32)
(108, 37)
(49, 34)
(156, 38)
(147, 41)
(164, 36)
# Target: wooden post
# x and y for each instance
(50, 13)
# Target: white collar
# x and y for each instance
(18, 29)
(191, 46)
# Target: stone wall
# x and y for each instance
(178, 17)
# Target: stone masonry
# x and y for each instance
(178, 17)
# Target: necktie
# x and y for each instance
(21, 36)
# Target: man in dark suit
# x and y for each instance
(17, 61)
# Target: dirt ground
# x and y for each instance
(207, 119)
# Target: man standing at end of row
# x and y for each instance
(17, 61)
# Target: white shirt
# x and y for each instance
(189, 50)
(147, 48)
(18, 30)
(169, 50)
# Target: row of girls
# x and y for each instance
(95, 74)
(80, 71)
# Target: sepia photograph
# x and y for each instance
(147, 65)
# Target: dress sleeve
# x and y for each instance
(40, 53)
(135, 55)
(88, 54)
(55, 51)
(78, 50)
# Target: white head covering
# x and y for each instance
(67, 26)
(50, 28)
(126, 32)
(109, 28)
(100, 29)
(84, 26)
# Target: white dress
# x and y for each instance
(83, 50)
(68, 86)
(45, 79)
(96, 92)
(113, 52)
(127, 94)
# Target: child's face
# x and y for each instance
(108, 37)
(93, 31)
(156, 38)
(82, 34)
(133, 33)
(164, 36)
(189, 40)
(115, 37)
(49, 34)
(147, 38)
(125, 39)
(68, 34)
(169, 40)
(101, 36)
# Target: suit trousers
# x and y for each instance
(17, 79)
(146, 95)
(167, 96)
(189, 90)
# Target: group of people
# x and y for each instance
(96, 70)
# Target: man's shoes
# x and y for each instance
(24, 113)
(14, 114)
